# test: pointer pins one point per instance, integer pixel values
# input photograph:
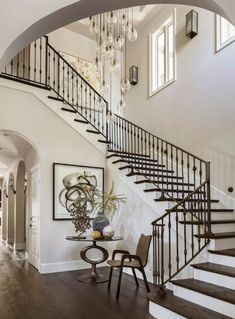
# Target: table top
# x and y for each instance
(90, 239)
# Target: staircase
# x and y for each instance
(195, 224)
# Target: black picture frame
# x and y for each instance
(57, 216)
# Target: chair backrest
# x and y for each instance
(142, 249)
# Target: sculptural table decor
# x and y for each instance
(94, 276)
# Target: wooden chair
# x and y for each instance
(137, 261)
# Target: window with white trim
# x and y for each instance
(162, 56)
(225, 32)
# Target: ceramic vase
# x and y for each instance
(108, 232)
(100, 222)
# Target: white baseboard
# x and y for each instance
(63, 266)
(19, 246)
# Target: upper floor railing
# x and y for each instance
(40, 64)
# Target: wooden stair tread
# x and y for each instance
(217, 235)
(213, 210)
(160, 181)
(208, 289)
(214, 222)
(55, 98)
(127, 153)
(104, 141)
(81, 121)
(224, 252)
(216, 268)
(154, 175)
(152, 169)
(157, 170)
(179, 199)
(129, 163)
(168, 190)
(68, 110)
(93, 131)
(132, 157)
(184, 307)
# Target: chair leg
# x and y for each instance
(145, 280)
(110, 277)
(136, 279)
(119, 282)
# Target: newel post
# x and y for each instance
(208, 191)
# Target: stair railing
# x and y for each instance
(41, 65)
(180, 235)
(162, 164)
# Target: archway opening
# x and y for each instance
(20, 208)
(18, 158)
(10, 210)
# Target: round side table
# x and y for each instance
(94, 276)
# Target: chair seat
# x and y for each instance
(117, 263)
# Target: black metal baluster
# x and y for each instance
(162, 256)
(58, 75)
(40, 60)
(177, 239)
(49, 67)
(35, 61)
(177, 175)
(192, 225)
(54, 71)
(72, 86)
(169, 250)
(63, 69)
(68, 83)
(182, 170)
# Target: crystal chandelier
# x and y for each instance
(112, 30)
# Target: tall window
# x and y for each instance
(225, 33)
(162, 56)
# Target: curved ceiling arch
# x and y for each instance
(84, 8)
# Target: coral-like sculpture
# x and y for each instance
(78, 197)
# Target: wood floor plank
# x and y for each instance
(26, 294)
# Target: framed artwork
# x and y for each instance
(85, 68)
(61, 171)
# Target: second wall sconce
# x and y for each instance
(133, 75)
(192, 24)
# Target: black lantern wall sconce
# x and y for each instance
(192, 24)
(133, 75)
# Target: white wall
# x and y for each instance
(55, 142)
(196, 111)
(73, 43)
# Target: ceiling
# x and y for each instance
(140, 14)
(11, 148)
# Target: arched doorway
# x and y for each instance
(10, 210)
(4, 210)
(20, 208)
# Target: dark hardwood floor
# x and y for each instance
(25, 294)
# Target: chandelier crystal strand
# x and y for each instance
(112, 30)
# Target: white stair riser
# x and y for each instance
(223, 228)
(221, 215)
(222, 260)
(225, 243)
(214, 278)
(205, 301)
(160, 312)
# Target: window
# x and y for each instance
(162, 56)
(225, 32)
